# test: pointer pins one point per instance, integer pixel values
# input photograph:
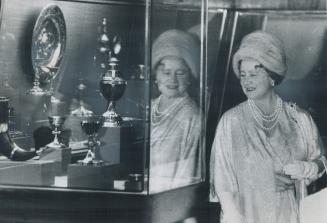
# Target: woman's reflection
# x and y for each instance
(176, 156)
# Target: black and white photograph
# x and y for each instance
(163, 111)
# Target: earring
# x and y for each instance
(272, 83)
(156, 81)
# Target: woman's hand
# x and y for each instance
(283, 182)
(300, 170)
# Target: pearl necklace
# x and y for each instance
(157, 116)
(261, 118)
(259, 112)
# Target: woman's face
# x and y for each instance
(255, 81)
(172, 76)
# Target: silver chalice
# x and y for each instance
(56, 124)
(90, 126)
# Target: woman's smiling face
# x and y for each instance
(172, 76)
(254, 79)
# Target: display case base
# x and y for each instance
(34, 173)
(91, 177)
(62, 156)
(113, 141)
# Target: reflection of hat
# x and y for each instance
(179, 44)
(264, 48)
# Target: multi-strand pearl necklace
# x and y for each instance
(157, 115)
(271, 120)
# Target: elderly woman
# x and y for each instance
(175, 157)
(265, 149)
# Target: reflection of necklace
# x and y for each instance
(266, 120)
(157, 116)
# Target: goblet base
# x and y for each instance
(91, 163)
(36, 90)
(90, 160)
(112, 119)
(55, 145)
(81, 112)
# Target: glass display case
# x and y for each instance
(117, 101)
(100, 97)
(108, 97)
(111, 99)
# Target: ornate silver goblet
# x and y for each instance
(112, 86)
(90, 127)
(56, 123)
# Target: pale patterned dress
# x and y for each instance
(245, 159)
(175, 155)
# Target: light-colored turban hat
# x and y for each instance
(179, 44)
(264, 48)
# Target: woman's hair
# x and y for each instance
(265, 48)
(184, 62)
(180, 44)
(276, 77)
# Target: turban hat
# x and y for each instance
(180, 44)
(264, 48)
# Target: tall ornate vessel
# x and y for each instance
(112, 86)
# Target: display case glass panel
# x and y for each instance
(93, 125)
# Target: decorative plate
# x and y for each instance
(48, 43)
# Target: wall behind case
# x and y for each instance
(16, 33)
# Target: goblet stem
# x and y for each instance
(112, 118)
(91, 142)
(93, 146)
(56, 140)
(112, 106)
(51, 90)
(92, 153)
